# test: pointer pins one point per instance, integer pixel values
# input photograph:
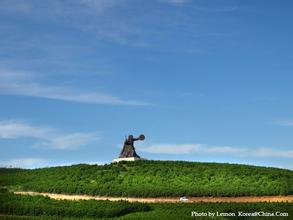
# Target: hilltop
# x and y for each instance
(153, 179)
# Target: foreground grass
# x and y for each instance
(183, 211)
(11, 204)
(38, 207)
(153, 179)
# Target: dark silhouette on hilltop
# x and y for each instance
(128, 147)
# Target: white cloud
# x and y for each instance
(69, 141)
(176, 1)
(224, 149)
(54, 6)
(25, 163)
(100, 5)
(25, 84)
(31, 163)
(266, 152)
(13, 129)
(15, 6)
(266, 98)
(202, 8)
(45, 136)
(284, 122)
(188, 149)
(211, 10)
(172, 148)
(205, 149)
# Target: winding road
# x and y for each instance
(166, 199)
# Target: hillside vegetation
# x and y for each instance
(153, 179)
(12, 206)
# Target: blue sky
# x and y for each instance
(203, 80)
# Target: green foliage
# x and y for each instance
(183, 211)
(12, 204)
(153, 179)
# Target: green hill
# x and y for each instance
(153, 179)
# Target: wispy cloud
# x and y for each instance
(15, 129)
(69, 141)
(141, 29)
(171, 148)
(100, 5)
(176, 1)
(284, 122)
(54, 6)
(89, 16)
(25, 163)
(212, 9)
(15, 6)
(266, 98)
(205, 149)
(267, 152)
(24, 84)
(31, 163)
(202, 8)
(45, 136)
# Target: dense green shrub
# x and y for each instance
(20, 205)
(154, 179)
(12, 204)
(183, 211)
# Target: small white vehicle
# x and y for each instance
(183, 199)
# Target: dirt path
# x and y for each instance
(166, 200)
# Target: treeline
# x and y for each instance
(12, 204)
(154, 179)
